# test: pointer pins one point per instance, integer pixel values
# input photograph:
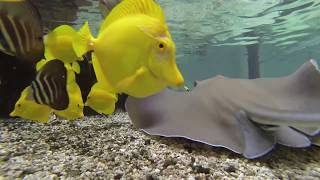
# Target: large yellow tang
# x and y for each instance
(134, 51)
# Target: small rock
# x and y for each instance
(118, 174)
(147, 142)
(230, 168)
(151, 177)
(314, 173)
(188, 148)
(169, 162)
(29, 171)
(201, 169)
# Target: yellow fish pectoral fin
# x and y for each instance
(124, 84)
(101, 100)
(29, 109)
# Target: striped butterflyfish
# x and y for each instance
(50, 85)
(21, 32)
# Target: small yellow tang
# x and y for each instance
(27, 107)
(134, 50)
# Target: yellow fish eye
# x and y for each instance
(162, 46)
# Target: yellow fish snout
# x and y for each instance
(178, 80)
(174, 78)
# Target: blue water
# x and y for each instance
(212, 35)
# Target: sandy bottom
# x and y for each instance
(111, 148)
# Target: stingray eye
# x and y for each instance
(19, 105)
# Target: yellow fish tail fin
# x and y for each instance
(134, 7)
(84, 41)
(58, 43)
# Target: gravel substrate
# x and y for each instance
(111, 148)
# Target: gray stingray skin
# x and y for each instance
(246, 116)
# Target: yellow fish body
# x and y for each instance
(134, 49)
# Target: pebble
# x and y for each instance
(111, 148)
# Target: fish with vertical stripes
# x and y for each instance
(20, 30)
(49, 86)
(21, 47)
(46, 94)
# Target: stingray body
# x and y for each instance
(246, 116)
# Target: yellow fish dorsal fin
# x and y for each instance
(133, 7)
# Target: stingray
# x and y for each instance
(246, 116)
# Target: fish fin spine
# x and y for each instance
(84, 42)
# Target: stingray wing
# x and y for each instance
(181, 114)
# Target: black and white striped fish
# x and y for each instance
(50, 85)
(20, 30)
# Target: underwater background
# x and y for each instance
(218, 36)
(235, 38)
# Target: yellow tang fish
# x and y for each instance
(47, 92)
(133, 50)
(53, 91)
